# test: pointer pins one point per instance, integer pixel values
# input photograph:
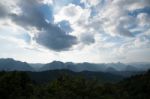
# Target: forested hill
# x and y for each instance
(46, 76)
(19, 85)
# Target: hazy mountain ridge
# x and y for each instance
(11, 65)
(103, 67)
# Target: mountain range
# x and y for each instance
(12, 65)
(9, 64)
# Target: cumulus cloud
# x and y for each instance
(78, 19)
(114, 18)
(47, 1)
(65, 26)
(56, 39)
(90, 3)
(71, 13)
(98, 27)
(48, 35)
(143, 19)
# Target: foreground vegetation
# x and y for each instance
(18, 85)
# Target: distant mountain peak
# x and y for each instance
(10, 64)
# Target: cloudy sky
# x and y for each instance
(75, 30)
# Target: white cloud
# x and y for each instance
(143, 19)
(71, 13)
(112, 20)
(90, 3)
(78, 19)
(115, 19)
(102, 34)
(49, 2)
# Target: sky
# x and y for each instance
(97, 31)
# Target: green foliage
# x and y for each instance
(17, 85)
(48, 76)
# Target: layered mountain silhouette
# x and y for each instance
(74, 67)
(13, 65)
(9, 64)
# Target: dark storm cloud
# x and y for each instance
(49, 35)
(55, 39)
(65, 25)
